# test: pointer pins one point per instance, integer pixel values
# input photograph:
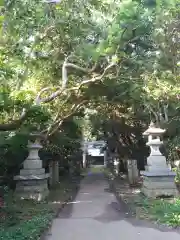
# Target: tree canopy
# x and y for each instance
(120, 58)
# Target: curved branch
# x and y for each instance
(67, 65)
(56, 119)
(60, 91)
(39, 100)
(98, 77)
(17, 123)
(58, 123)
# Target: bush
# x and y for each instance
(177, 177)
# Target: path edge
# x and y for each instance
(46, 232)
(126, 208)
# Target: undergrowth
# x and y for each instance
(159, 210)
(20, 220)
(31, 229)
(28, 219)
(164, 211)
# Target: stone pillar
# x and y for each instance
(133, 172)
(54, 172)
(32, 181)
(51, 179)
(105, 158)
(158, 179)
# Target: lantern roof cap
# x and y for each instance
(153, 130)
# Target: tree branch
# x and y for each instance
(67, 65)
(39, 100)
(58, 123)
(94, 78)
(56, 120)
(153, 112)
(65, 80)
(17, 123)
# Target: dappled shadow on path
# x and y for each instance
(126, 215)
(113, 211)
(118, 211)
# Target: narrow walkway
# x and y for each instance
(95, 214)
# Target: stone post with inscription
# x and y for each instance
(133, 172)
(53, 173)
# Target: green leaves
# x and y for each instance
(29, 229)
(23, 95)
(136, 38)
(1, 15)
(1, 20)
(1, 3)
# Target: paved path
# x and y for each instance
(95, 214)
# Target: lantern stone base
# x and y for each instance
(32, 186)
(159, 184)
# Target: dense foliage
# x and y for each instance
(120, 58)
(101, 69)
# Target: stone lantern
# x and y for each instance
(31, 183)
(158, 179)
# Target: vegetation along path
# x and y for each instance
(95, 213)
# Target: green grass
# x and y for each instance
(163, 211)
(27, 219)
(24, 219)
(157, 210)
(29, 229)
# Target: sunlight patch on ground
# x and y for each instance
(74, 202)
(96, 169)
(136, 191)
